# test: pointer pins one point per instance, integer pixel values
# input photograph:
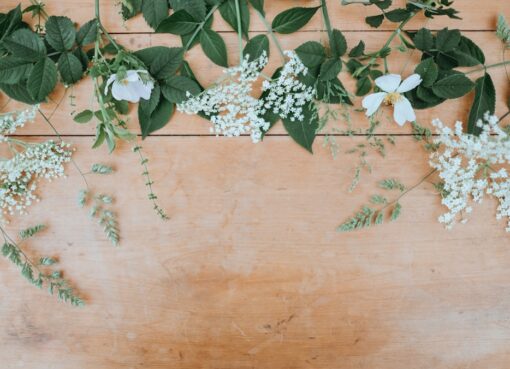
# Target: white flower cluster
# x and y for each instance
(229, 104)
(11, 121)
(20, 174)
(466, 168)
(286, 94)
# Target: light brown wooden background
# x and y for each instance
(249, 272)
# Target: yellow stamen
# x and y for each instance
(392, 98)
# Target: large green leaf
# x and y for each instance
(179, 23)
(26, 45)
(453, 86)
(167, 62)
(42, 79)
(70, 68)
(423, 40)
(447, 40)
(338, 44)
(60, 33)
(214, 47)
(305, 131)
(229, 13)
(428, 71)
(485, 101)
(18, 92)
(177, 88)
(13, 70)
(154, 11)
(256, 47)
(153, 119)
(311, 53)
(330, 69)
(293, 19)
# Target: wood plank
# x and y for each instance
(207, 73)
(250, 272)
(475, 15)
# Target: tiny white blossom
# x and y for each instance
(11, 121)
(392, 94)
(466, 166)
(131, 86)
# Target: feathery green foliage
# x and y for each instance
(32, 231)
(503, 30)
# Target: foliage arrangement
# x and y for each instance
(305, 93)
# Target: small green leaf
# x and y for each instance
(358, 50)
(330, 69)
(166, 62)
(83, 117)
(363, 86)
(87, 34)
(293, 19)
(447, 40)
(70, 68)
(196, 8)
(158, 118)
(46, 261)
(179, 23)
(375, 21)
(214, 47)
(42, 79)
(258, 5)
(428, 70)
(228, 12)
(397, 15)
(485, 101)
(338, 44)
(311, 53)
(453, 86)
(305, 131)
(423, 40)
(60, 33)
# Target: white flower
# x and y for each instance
(393, 95)
(13, 120)
(467, 167)
(229, 104)
(130, 88)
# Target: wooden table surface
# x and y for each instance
(250, 272)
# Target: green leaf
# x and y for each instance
(256, 46)
(229, 14)
(18, 92)
(87, 34)
(447, 40)
(338, 44)
(196, 8)
(214, 47)
(42, 79)
(130, 8)
(305, 131)
(428, 70)
(375, 21)
(363, 86)
(13, 70)
(311, 53)
(60, 33)
(485, 101)
(26, 45)
(258, 5)
(293, 19)
(177, 88)
(453, 86)
(330, 69)
(159, 117)
(154, 11)
(167, 62)
(83, 117)
(397, 15)
(179, 23)
(358, 50)
(468, 47)
(70, 68)
(423, 40)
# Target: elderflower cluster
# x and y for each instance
(229, 104)
(20, 174)
(466, 168)
(11, 121)
(287, 95)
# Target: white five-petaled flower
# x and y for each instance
(392, 94)
(130, 87)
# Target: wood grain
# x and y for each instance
(249, 272)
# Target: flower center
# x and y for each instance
(125, 82)
(392, 98)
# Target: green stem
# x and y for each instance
(272, 35)
(327, 22)
(239, 31)
(200, 27)
(485, 67)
